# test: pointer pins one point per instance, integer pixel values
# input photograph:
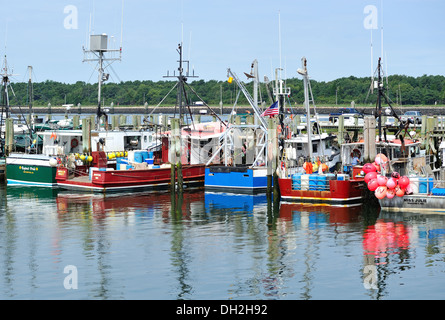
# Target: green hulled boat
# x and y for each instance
(38, 170)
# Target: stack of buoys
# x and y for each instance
(116, 154)
(383, 186)
(84, 157)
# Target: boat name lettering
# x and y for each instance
(414, 201)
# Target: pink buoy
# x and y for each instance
(390, 193)
(369, 167)
(382, 180)
(380, 192)
(373, 185)
(403, 182)
(370, 175)
(380, 159)
(391, 183)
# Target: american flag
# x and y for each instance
(272, 110)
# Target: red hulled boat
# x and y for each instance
(333, 190)
(126, 180)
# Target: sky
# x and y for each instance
(334, 36)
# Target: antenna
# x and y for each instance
(279, 37)
(372, 65)
(381, 28)
(122, 24)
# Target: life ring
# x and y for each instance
(357, 152)
(74, 143)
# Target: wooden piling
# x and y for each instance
(76, 121)
(341, 129)
(272, 157)
(369, 136)
(86, 135)
(172, 156)
(9, 135)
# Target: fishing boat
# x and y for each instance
(145, 169)
(300, 185)
(183, 147)
(242, 149)
(105, 180)
(66, 146)
(402, 176)
(37, 164)
(425, 191)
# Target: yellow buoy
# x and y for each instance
(230, 80)
(90, 158)
(82, 157)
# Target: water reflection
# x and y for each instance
(392, 244)
(210, 246)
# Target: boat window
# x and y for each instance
(299, 146)
(314, 147)
(328, 143)
(145, 138)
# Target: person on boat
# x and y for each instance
(355, 160)
(308, 166)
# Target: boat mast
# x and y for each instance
(4, 103)
(30, 96)
(5, 96)
(304, 73)
(96, 53)
(182, 83)
(379, 99)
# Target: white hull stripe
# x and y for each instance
(319, 198)
(29, 183)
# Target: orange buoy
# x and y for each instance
(380, 192)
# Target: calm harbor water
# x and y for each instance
(210, 246)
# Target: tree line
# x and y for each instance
(405, 90)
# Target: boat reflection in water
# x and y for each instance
(330, 214)
(233, 203)
(142, 204)
(214, 246)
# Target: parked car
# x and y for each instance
(343, 111)
(415, 116)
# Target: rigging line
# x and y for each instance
(21, 112)
(188, 105)
(214, 113)
(163, 98)
(115, 73)
(236, 101)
